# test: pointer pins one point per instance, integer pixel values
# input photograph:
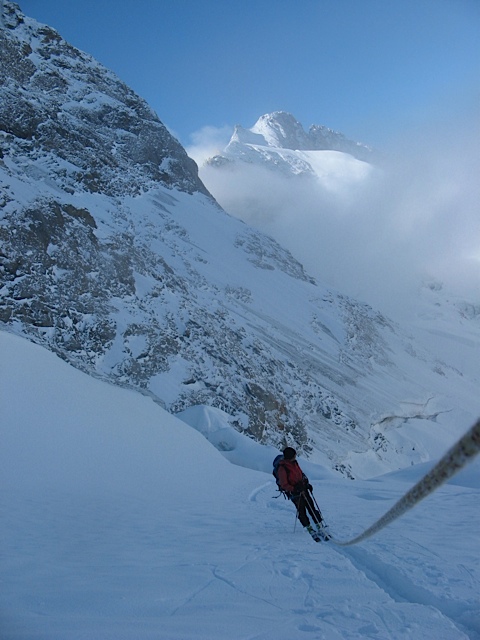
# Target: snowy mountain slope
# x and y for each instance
(137, 276)
(121, 522)
(366, 227)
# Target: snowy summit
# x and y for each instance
(277, 140)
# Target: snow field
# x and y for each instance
(120, 521)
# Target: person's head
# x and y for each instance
(289, 453)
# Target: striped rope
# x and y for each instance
(455, 459)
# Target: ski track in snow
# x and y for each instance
(401, 588)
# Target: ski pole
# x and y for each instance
(318, 508)
(296, 514)
(316, 503)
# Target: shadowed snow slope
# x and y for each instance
(121, 522)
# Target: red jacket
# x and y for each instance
(289, 474)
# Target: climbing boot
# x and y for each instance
(315, 535)
(322, 531)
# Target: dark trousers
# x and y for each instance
(304, 502)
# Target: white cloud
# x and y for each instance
(207, 142)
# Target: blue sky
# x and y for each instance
(368, 68)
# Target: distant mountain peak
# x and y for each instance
(279, 143)
(273, 132)
(281, 129)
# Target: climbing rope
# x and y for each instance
(455, 459)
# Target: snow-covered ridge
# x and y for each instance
(280, 129)
(279, 142)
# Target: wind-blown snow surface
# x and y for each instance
(120, 521)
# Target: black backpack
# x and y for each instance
(276, 463)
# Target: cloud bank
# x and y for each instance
(207, 142)
(413, 220)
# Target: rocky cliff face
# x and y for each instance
(114, 255)
(58, 102)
